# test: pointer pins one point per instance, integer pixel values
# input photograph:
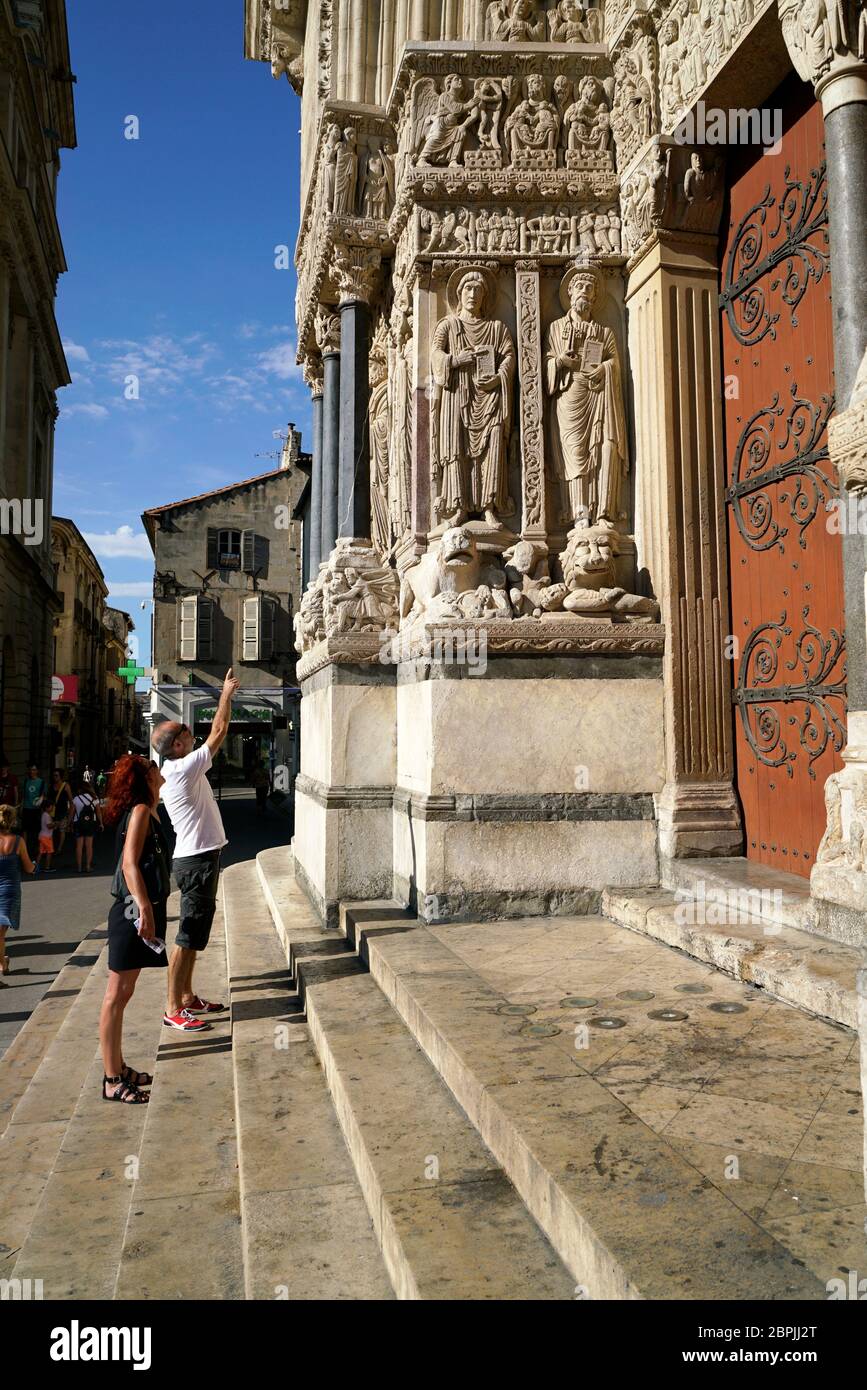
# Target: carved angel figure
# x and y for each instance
(442, 135)
(535, 123)
(573, 22)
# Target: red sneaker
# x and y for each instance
(203, 1006)
(184, 1022)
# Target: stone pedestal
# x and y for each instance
(515, 794)
(343, 795)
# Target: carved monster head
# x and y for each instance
(588, 560)
(458, 561)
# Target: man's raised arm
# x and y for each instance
(223, 717)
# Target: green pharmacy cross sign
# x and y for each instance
(130, 673)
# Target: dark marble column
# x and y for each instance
(314, 527)
(330, 450)
(846, 153)
(353, 519)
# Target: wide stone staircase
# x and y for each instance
(625, 1106)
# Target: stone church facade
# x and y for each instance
(582, 305)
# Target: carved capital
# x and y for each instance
(313, 374)
(827, 42)
(327, 329)
(355, 272)
(675, 188)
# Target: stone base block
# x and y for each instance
(699, 820)
(342, 851)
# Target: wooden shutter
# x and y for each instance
(252, 628)
(267, 620)
(188, 613)
(205, 629)
(248, 551)
(212, 560)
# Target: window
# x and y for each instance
(259, 614)
(229, 549)
(196, 628)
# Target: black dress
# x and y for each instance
(126, 950)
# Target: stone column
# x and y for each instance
(355, 272)
(313, 528)
(533, 508)
(424, 314)
(328, 338)
(680, 530)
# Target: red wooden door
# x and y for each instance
(785, 559)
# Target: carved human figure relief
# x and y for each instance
(380, 528)
(346, 174)
(377, 190)
(515, 21)
(533, 127)
(587, 122)
(588, 424)
(333, 139)
(443, 122)
(570, 21)
(473, 370)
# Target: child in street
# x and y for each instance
(46, 840)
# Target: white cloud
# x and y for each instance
(122, 542)
(280, 361)
(160, 362)
(75, 352)
(134, 590)
(90, 408)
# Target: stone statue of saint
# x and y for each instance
(473, 368)
(588, 425)
(346, 174)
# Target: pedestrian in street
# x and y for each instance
(31, 816)
(87, 775)
(86, 821)
(13, 858)
(262, 784)
(198, 826)
(46, 839)
(61, 793)
(8, 785)
(140, 887)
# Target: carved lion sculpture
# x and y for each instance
(452, 581)
(591, 577)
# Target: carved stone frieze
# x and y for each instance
(548, 230)
(673, 188)
(696, 38)
(824, 36)
(531, 401)
(635, 113)
(353, 593)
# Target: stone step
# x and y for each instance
(449, 1222)
(306, 1229)
(814, 974)
(628, 1213)
(743, 885)
(25, 1053)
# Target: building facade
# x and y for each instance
(80, 651)
(581, 301)
(122, 730)
(36, 122)
(227, 587)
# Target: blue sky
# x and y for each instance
(170, 241)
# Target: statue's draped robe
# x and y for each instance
(380, 532)
(472, 425)
(586, 419)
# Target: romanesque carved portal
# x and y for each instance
(786, 564)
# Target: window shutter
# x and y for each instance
(252, 626)
(205, 629)
(260, 551)
(188, 612)
(212, 560)
(248, 551)
(268, 617)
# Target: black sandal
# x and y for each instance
(126, 1093)
(136, 1078)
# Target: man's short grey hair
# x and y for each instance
(164, 736)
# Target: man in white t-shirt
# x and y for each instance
(198, 825)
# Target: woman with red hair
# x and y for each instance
(137, 920)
